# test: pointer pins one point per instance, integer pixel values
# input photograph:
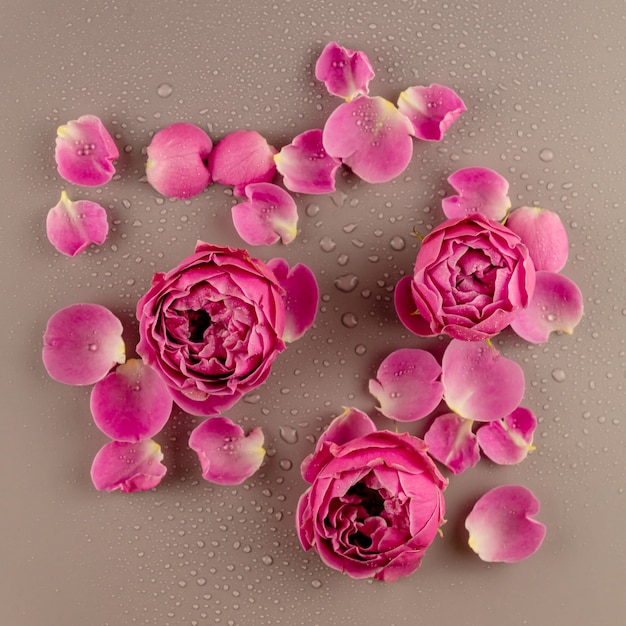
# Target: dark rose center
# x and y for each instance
(199, 321)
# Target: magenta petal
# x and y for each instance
(269, 214)
(128, 466)
(72, 226)
(407, 311)
(132, 403)
(479, 383)
(556, 306)
(346, 73)
(371, 137)
(509, 440)
(407, 385)
(85, 152)
(432, 110)
(500, 525)
(227, 455)
(301, 297)
(81, 344)
(480, 190)
(451, 441)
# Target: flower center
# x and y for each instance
(199, 321)
(371, 500)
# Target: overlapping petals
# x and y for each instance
(509, 440)
(452, 442)
(346, 73)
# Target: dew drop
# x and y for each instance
(92, 347)
(164, 90)
(546, 155)
(316, 584)
(285, 464)
(349, 320)
(360, 349)
(288, 434)
(267, 559)
(346, 282)
(327, 244)
(312, 210)
(558, 375)
(397, 243)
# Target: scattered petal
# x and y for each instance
(177, 161)
(432, 110)
(407, 385)
(268, 214)
(72, 226)
(478, 382)
(500, 525)
(481, 190)
(132, 403)
(407, 311)
(82, 342)
(227, 455)
(508, 441)
(85, 152)
(556, 306)
(301, 297)
(128, 466)
(241, 158)
(451, 441)
(346, 73)
(371, 137)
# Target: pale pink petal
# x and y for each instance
(82, 343)
(371, 137)
(241, 158)
(132, 403)
(556, 306)
(128, 466)
(305, 166)
(177, 160)
(407, 385)
(500, 525)
(543, 233)
(407, 311)
(432, 110)
(451, 441)
(85, 152)
(269, 214)
(227, 455)
(72, 226)
(480, 190)
(301, 297)
(508, 441)
(478, 382)
(346, 73)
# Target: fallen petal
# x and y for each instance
(407, 311)
(346, 73)
(508, 441)
(451, 441)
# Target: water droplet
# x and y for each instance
(327, 244)
(360, 349)
(316, 584)
(288, 434)
(285, 464)
(267, 559)
(92, 347)
(397, 243)
(546, 155)
(346, 282)
(164, 90)
(558, 375)
(312, 210)
(349, 320)
(343, 259)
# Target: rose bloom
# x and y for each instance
(374, 505)
(212, 327)
(472, 277)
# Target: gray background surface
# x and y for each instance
(544, 87)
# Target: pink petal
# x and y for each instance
(227, 455)
(72, 226)
(407, 385)
(85, 152)
(269, 214)
(371, 137)
(301, 297)
(407, 311)
(177, 161)
(128, 466)
(82, 342)
(509, 440)
(556, 306)
(480, 190)
(432, 110)
(346, 73)
(241, 158)
(500, 525)
(305, 166)
(479, 383)
(451, 441)
(132, 403)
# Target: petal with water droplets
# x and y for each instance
(509, 440)
(451, 441)
(346, 73)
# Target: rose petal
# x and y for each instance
(480, 190)
(301, 297)
(346, 73)
(227, 455)
(432, 110)
(82, 342)
(132, 403)
(556, 306)
(509, 440)
(371, 137)
(85, 152)
(128, 466)
(478, 382)
(451, 441)
(407, 311)
(407, 385)
(500, 525)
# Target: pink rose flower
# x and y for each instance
(472, 277)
